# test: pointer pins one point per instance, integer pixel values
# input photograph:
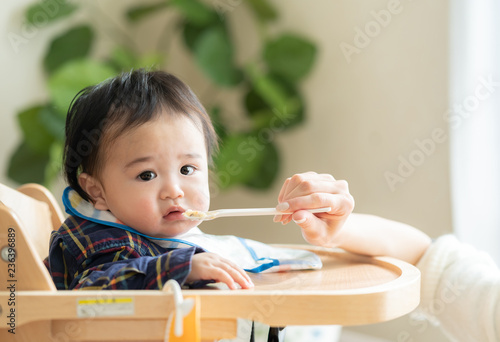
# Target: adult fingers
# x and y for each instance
(340, 204)
(291, 183)
(316, 186)
(314, 229)
(306, 184)
(306, 220)
(283, 190)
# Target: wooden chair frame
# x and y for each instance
(349, 290)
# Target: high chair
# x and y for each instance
(348, 290)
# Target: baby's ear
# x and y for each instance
(94, 189)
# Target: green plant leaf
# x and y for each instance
(215, 116)
(54, 164)
(36, 136)
(122, 58)
(214, 54)
(266, 87)
(238, 160)
(152, 60)
(191, 33)
(27, 166)
(272, 91)
(73, 44)
(54, 123)
(67, 81)
(263, 9)
(196, 12)
(276, 104)
(267, 170)
(290, 56)
(46, 11)
(137, 13)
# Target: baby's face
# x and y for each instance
(154, 173)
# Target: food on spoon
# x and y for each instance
(194, 214)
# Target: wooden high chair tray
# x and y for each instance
(349, 290)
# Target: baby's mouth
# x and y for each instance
(174, 214)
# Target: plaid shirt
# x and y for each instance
(92, 256)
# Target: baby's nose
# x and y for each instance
(171, 189)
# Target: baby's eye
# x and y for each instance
(147, 176)
(187, 170)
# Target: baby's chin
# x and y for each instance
(177, 229)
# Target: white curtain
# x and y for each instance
(474, 119)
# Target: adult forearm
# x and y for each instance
(376, 236)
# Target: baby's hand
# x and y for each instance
(309, 191)
(210, 266)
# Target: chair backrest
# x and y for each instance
(25, 225)
(42, 194)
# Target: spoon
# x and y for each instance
(195, 215)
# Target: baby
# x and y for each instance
(136, 155)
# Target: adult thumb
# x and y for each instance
(311, 227)
(304, 219)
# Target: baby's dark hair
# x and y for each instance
(99, 114)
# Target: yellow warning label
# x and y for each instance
(97, 307)
(104, 301)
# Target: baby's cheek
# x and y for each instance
(202, 201)
(144, 209)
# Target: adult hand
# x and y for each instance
(310, 191)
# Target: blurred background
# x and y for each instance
(384, 94)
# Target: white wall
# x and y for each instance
(363, 119)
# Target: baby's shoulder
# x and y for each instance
(84, 237)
